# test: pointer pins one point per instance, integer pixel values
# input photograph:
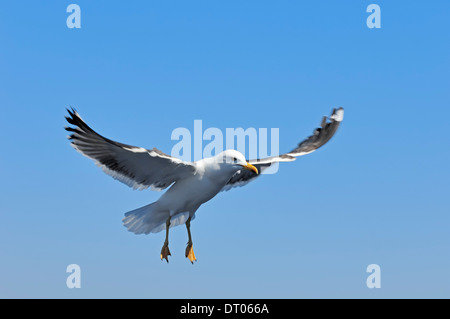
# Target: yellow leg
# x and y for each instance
(189, 250)
(165, 252)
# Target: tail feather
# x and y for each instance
(148, 219)
(144, 220)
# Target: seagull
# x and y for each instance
(191, 183)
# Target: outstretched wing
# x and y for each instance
(136, 167)
(320, 136)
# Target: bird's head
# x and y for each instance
(235, 159)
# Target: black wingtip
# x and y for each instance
(74, 118)
(73, 114)
(72, 110)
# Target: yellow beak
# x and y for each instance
(250, 167)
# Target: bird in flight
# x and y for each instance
(191, 183)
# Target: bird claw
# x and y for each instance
(165, 252)
(190, 253)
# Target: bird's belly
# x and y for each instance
(188, 195)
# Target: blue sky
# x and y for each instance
(377, 193)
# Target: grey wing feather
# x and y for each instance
(319, 137)
(136, 167)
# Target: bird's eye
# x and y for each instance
(234, 160)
